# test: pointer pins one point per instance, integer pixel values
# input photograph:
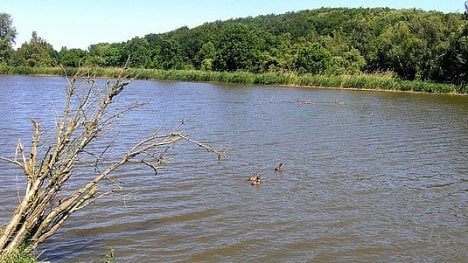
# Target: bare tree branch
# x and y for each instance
(44, 206)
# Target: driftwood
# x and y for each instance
(44, 206)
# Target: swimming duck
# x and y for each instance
(279, 168)
(255, 179)
(339, 102)
(258, 181)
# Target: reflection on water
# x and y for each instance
(369, 176)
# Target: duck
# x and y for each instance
(339, 102)
(279, 168)
(255, 179)
(258, 181)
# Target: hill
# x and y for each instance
(412, 43)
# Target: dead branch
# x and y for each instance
(44, 206)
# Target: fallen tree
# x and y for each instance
(47, 166)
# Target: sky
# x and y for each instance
(80, 23)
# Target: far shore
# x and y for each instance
(369, 82)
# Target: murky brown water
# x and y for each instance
(379, 177)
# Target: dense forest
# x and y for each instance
(412, 43)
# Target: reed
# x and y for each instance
(375, 81)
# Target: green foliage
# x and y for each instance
(103, 55)
(236, 49)
(4, 68)
(138, 51)
(207, 64)
(312, 58)
(415, 44)
(455, 60)
(35, 53)
(205, 56)
(7, 37)
(168, 55)
(74, 57)
(385, 81)
(22, 255)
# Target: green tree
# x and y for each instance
(466, 10)
(402, 50)
(206, 56)
(429, 29)
(283, 53)
(236, 49)
(312, 58)
(351, 62)
(35, 53)
(105, 55)
(7, 37)
(168, 55)
(189, 43)
(74, 57)
(138, 52)
(455, 61)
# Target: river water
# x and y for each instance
(368, 176)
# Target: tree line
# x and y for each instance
(412, 43)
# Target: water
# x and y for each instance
(369, 176)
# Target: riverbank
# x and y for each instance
(361, 81)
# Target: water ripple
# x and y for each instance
(380, 178)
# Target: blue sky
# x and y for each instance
(80, 23)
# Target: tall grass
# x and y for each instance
(382, 81)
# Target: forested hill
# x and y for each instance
(413, 43)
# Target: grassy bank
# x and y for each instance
(361, 81)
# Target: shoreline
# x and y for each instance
(360, 82)
(377, 90)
